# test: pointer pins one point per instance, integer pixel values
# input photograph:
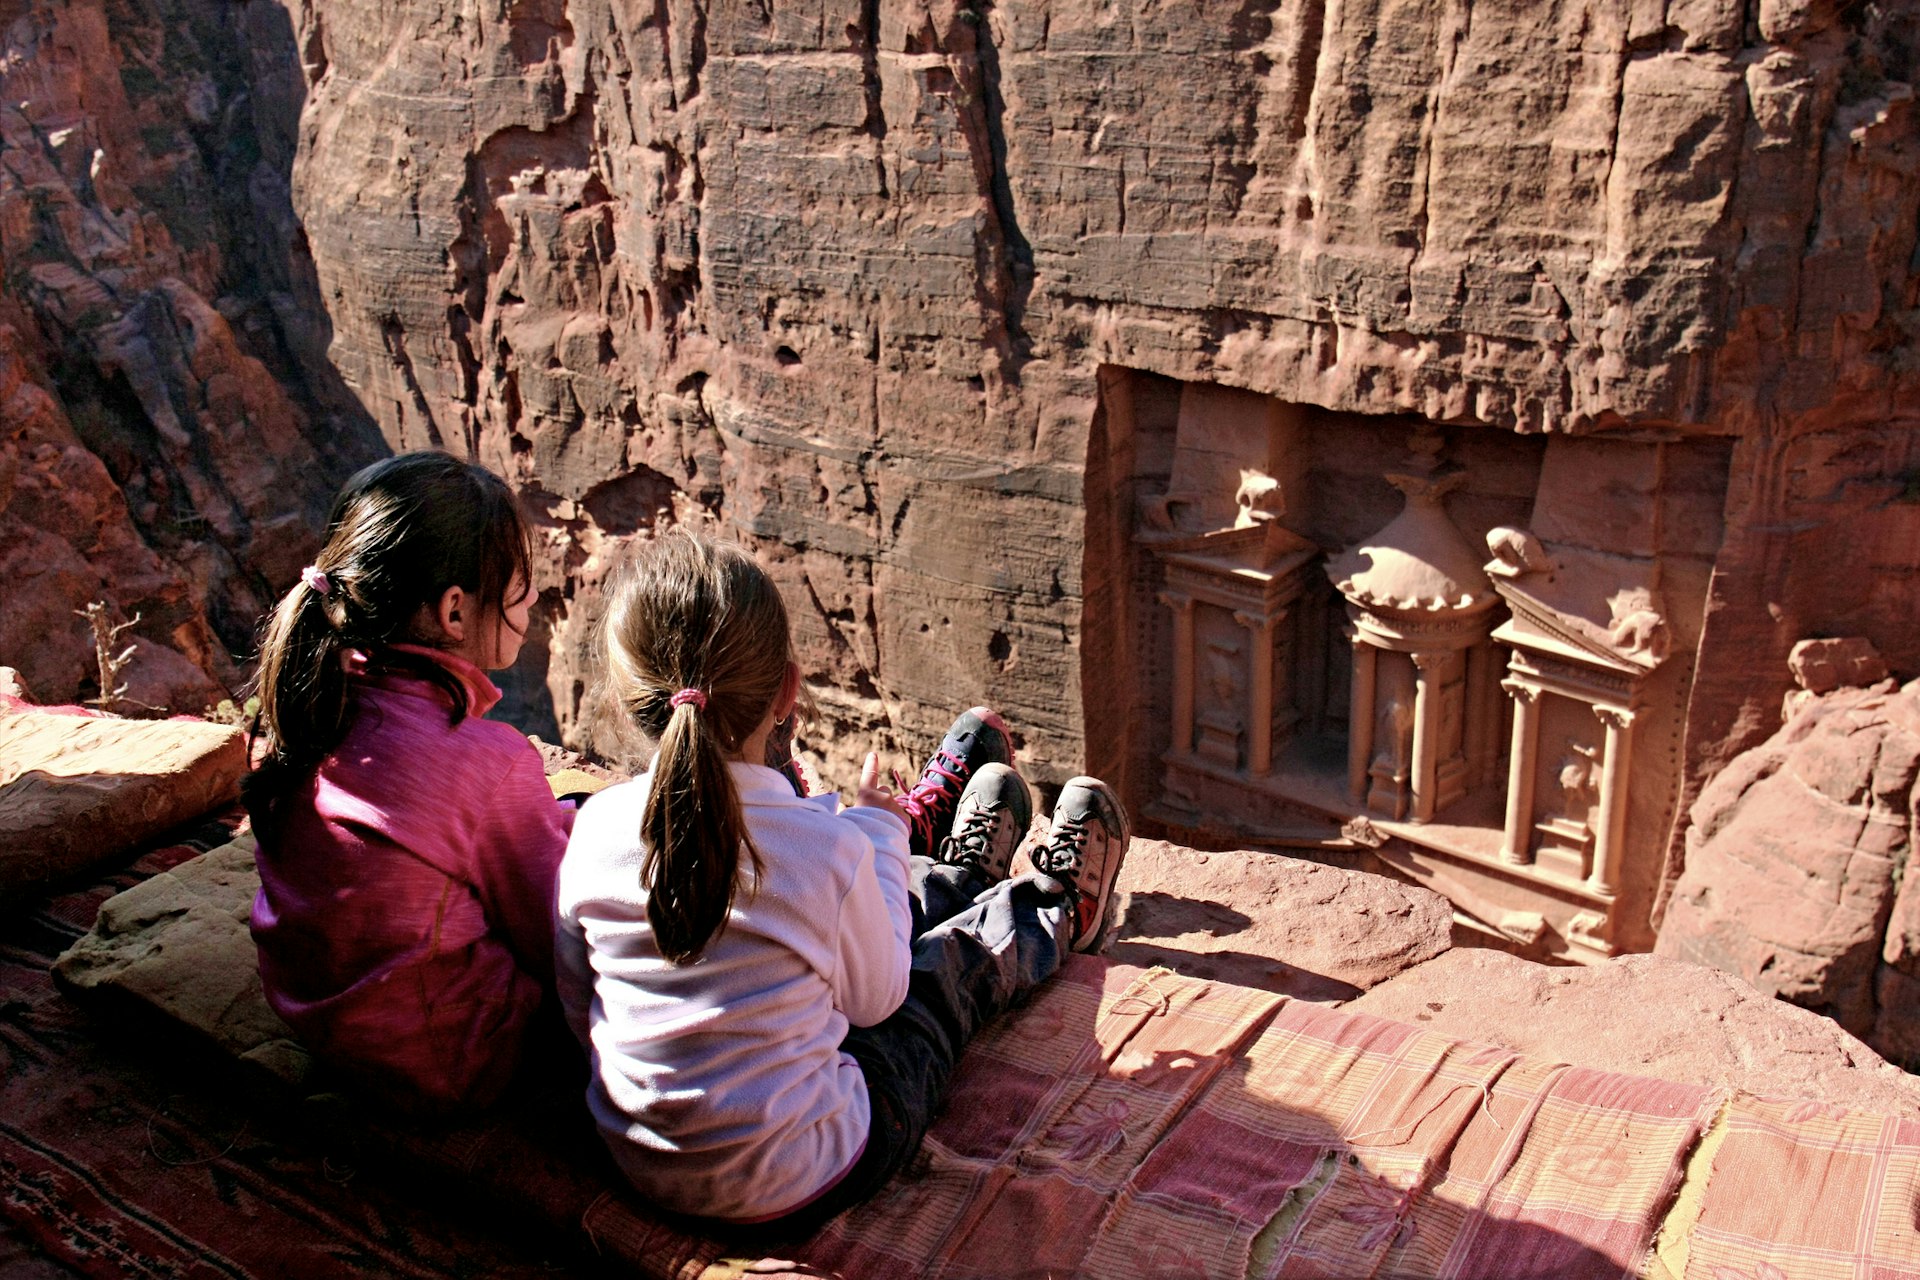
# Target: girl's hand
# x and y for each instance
(874, 796)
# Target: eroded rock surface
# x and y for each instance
(1801, 874)
(1262, 920)
(844, 279)
(76, 790)
(171, 429)
(861, 284)
(1648, 1015)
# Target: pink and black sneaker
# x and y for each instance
(978, 738)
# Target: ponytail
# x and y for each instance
(696, 643)
(401, 532)
(693, 832)
(302, 687)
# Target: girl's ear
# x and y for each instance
(448, 614)
(789, 692)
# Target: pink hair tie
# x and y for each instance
(685, 696)
(315, 580)
(354, 661)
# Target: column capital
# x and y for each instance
(1427, 661)
(1257, 621)
(1521, 690)
(1175, 600)
(1614, 717)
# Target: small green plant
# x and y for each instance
(225, 712)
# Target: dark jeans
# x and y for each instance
(977, 952)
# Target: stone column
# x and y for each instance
(1516, 844)
(1610, 820)
(1182, 606)
(1260, 692)
(1426, 731)
(1360, 719)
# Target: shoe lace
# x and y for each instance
(1067, 846)
(972, 839)
(939, 786)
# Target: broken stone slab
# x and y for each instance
(177, 944)
(1646, 1015)
(77, 790)
(1281, 924)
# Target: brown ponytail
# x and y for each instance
(691, 614)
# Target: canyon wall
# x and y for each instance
(172, 430)
(916, 298)
(858, 282)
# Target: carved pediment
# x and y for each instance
(1587, 604)
(1639, 649)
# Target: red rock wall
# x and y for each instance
(171, 430)
(843, 276)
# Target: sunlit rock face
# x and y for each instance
(1801, 869)
(889, 291)
(171, 429)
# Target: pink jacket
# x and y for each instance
(405, 913)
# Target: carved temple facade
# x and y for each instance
(1461, 652)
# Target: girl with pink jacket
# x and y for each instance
(407, 847)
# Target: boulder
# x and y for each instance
(1648, 1015)
(1823, 665)
(76, 790)
(1799, 874)
(1256, 919)
(178, 945)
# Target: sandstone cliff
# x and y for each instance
(868, 284)
(844, 277)
(172, 430)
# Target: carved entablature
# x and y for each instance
(1574, 679)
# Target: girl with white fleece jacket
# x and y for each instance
(772, 992)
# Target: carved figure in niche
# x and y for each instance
(1515, 552)
(1393, 731)
(1259, 499)
(1218, 725)
(1579, 781)
(1638, 623)
(1222, 682)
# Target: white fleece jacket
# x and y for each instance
(720, 1086)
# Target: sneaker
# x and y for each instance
(978, 738)
(992, 819)
(1084, 850)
